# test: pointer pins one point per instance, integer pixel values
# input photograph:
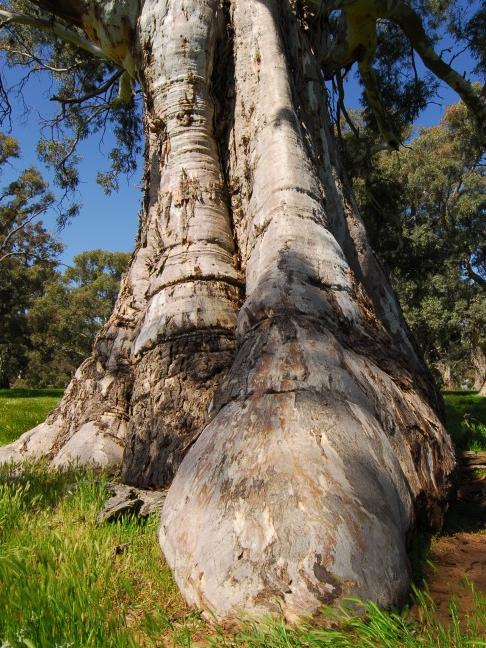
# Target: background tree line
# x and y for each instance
(425, 211)
(424, 208)
(49, 313)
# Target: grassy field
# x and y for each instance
(66, 582)
(22, 409)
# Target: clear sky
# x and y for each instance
(107, 222)
(110, 222)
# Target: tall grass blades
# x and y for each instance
(64, 581)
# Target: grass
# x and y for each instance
(66, 582)
(22, 409)
(466, 419)
(376, 629)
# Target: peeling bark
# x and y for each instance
(324, 449)
(256, 338)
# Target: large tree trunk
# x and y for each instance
(256, 338)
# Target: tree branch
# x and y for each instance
(342, 105)
(474, 275)
(373, 96)
(412, 25)
(357, 42)
(20, 227)
(29, 255)
(52, 25)
(90, 95)
(42, 65)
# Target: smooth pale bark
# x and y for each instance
(256, 334)
(322, 449)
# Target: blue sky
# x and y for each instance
(110, 222)
(107, 222)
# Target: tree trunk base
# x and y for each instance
(256, 338)
(303, 487)
(88, 428)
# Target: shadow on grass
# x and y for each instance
(467, 512)
(39, 488)
(459, 392)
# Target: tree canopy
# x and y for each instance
(63, 321)
(425, 209)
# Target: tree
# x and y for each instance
(65, 319)
(424, 208)
(256, 350)
(28, 256)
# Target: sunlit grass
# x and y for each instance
(66, 582)
(22, 409)
(376, 628)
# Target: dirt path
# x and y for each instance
(459, 556)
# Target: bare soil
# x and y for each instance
(459, 556)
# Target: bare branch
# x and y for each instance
(373, 96)
(412, 25)
(342, 106)
(474, 275)
(42, 64)
(5, 105)
(95, 93)
(29, 255)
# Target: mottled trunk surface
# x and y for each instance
(256, 338)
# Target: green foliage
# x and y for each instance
(65, 581)
(64, 320)
(23, 409)
(402, 91)
(376, 628)
(424, 209)
(48, 320)
(28, 256)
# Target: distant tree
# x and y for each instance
(425, 209)
(28, 257)
(65, 319)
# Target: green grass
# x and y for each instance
(22, 409)
(66, 582)
(376, 629)
(466, 419)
